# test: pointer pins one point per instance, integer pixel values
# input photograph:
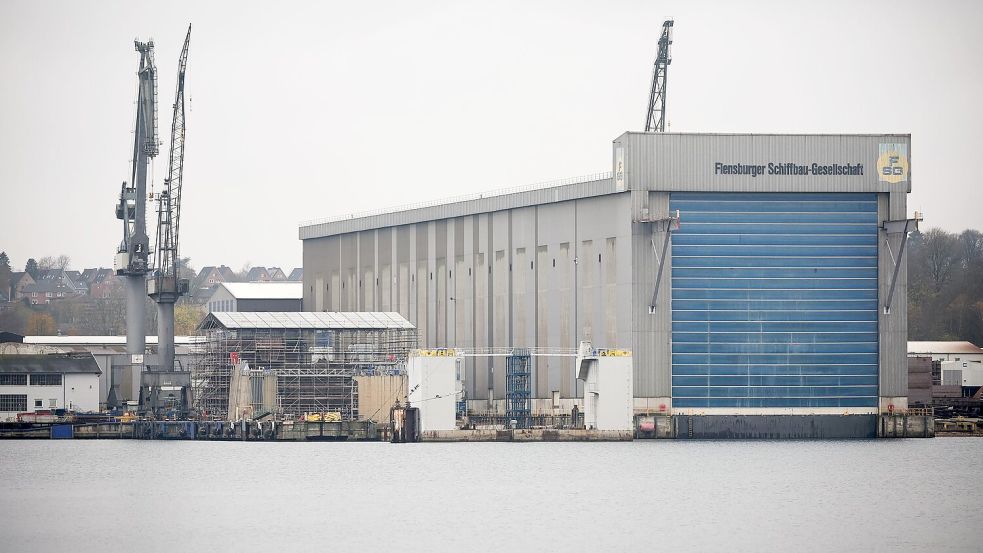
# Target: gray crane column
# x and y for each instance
(165, 336)
(136, 337)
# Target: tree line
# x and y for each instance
(945, 286)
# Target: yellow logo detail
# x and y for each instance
(892, 163)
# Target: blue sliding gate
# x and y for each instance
(774, 300)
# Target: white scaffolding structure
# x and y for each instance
(315, 357)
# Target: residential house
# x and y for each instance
(277, 274)
(87, 276)
(19, 281)
(208, 278)
(52, 284)
(258, 274)
(211, 275)
(104, 284)
(297, 275)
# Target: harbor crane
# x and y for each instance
(655, 116)
(164, 387)
(131, 261)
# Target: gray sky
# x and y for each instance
(306, 110)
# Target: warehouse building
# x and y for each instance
(119, 381)
(42, 382)
(749, 274)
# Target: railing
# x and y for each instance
(462, 198)
(534, 421)
(495, 352)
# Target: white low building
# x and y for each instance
(967, 374)
(946, 351)
(256, 296)
(42, 382)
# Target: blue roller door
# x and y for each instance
(774, 300)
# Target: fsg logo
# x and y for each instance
(892, 163)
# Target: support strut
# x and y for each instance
(665, 226)
(902, 227)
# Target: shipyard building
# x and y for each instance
(748, 274)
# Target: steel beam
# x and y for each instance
(666, 226)
(902, 227)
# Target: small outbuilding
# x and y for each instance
(607, 378)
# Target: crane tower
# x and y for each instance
(131, 260)
(655, 116)
(165, 284)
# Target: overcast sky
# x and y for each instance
(306, 110)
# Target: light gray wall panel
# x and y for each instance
(501, 291)
(556, 327)
(384, 264)
(482, 308)
(651, 333)
(524, 277)
(893, 327)
(366, 272)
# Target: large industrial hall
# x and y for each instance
(749, 274)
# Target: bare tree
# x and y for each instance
(940, 249)
(186, 268)
(47, 263)
(243, 274)
(970, 247)
(40, 324)
(63, 262)
(111, 315)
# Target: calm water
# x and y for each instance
(81, 496)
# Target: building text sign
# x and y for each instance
(788, 168)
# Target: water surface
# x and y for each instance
(888, 495)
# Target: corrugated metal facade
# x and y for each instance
(774, 300)
(552, 266)
(544, 275)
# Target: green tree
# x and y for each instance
(32, 268)
(5, 273)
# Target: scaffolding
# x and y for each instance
(517, 387)
(315, 357)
